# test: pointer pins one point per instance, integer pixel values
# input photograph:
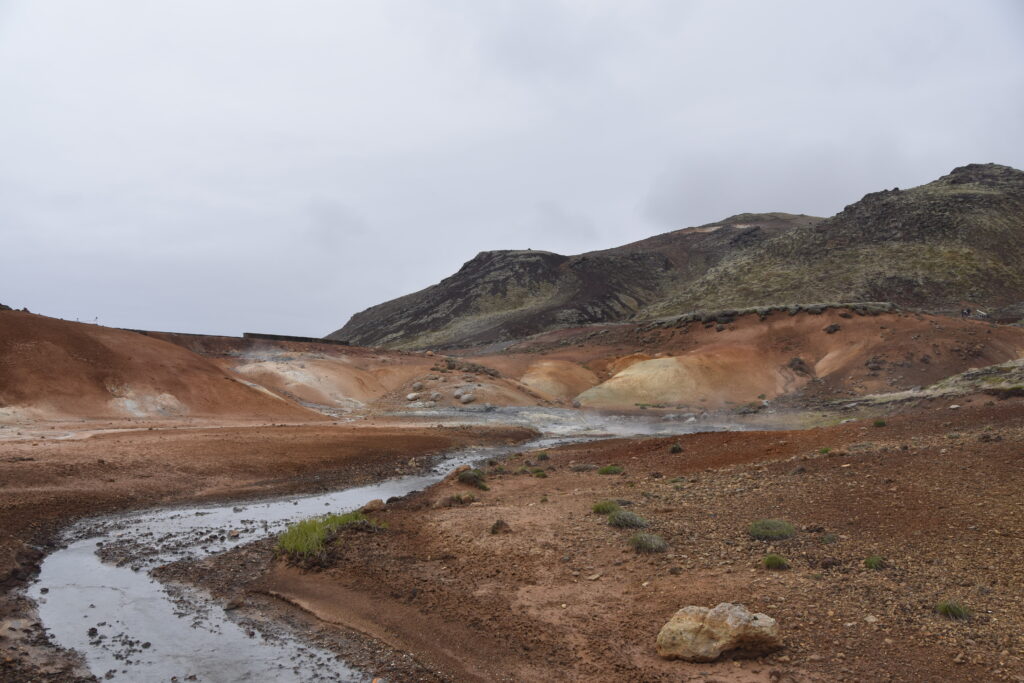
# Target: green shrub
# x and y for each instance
(952, 610)
(540, 474)
(879, 423)
(676, 448)
(543, 456)
(824, 450)
(610, 469)
(308, 538)
(775, 562)
(875, 562)
(771, 530)
(829, 539)
(473, 478)
(648, 543)
(624, 519)
(461, 499)
(605, 507)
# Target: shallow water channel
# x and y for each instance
(131, 627)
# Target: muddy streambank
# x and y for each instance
(47, 483)
(560, 595)
(125, 648)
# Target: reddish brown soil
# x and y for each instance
(750, 358)
(936, 492)
(46, 483)
(52, 368)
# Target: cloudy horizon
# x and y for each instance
(218, 167)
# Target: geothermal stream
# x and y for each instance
(131, 627)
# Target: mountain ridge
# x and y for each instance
(958, 240)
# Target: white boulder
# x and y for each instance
(699, 634)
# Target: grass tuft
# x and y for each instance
(875, 562)
(308, 538)
(676, 448)
(879, 423)
(610, 469)
(543, 456)
(648, 543)
(775, 562)
(624, 519)
(952, 610)
(605, 507)
(473, 478)
(771, 530)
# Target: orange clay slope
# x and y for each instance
(338, 379)
(827, 355)
(54, 369)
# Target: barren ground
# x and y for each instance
(46, 483)
(936, 492)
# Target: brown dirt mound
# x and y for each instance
(712, 365)
(52, 368)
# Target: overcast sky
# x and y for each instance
(221, 167)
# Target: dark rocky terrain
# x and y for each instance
(957, 241)
(501, 295)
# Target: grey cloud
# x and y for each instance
(195, 166)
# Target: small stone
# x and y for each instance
(375, 505)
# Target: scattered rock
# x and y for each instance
(501, 527)
(417, 386)
(412, 397)
(375, 505)
(832, 329)
(467, 398)
(699, 634)
(799, 366)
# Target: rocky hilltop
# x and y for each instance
(957, 241)
(504, 295)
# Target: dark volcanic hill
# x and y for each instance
(956, 241)
(502, 295)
